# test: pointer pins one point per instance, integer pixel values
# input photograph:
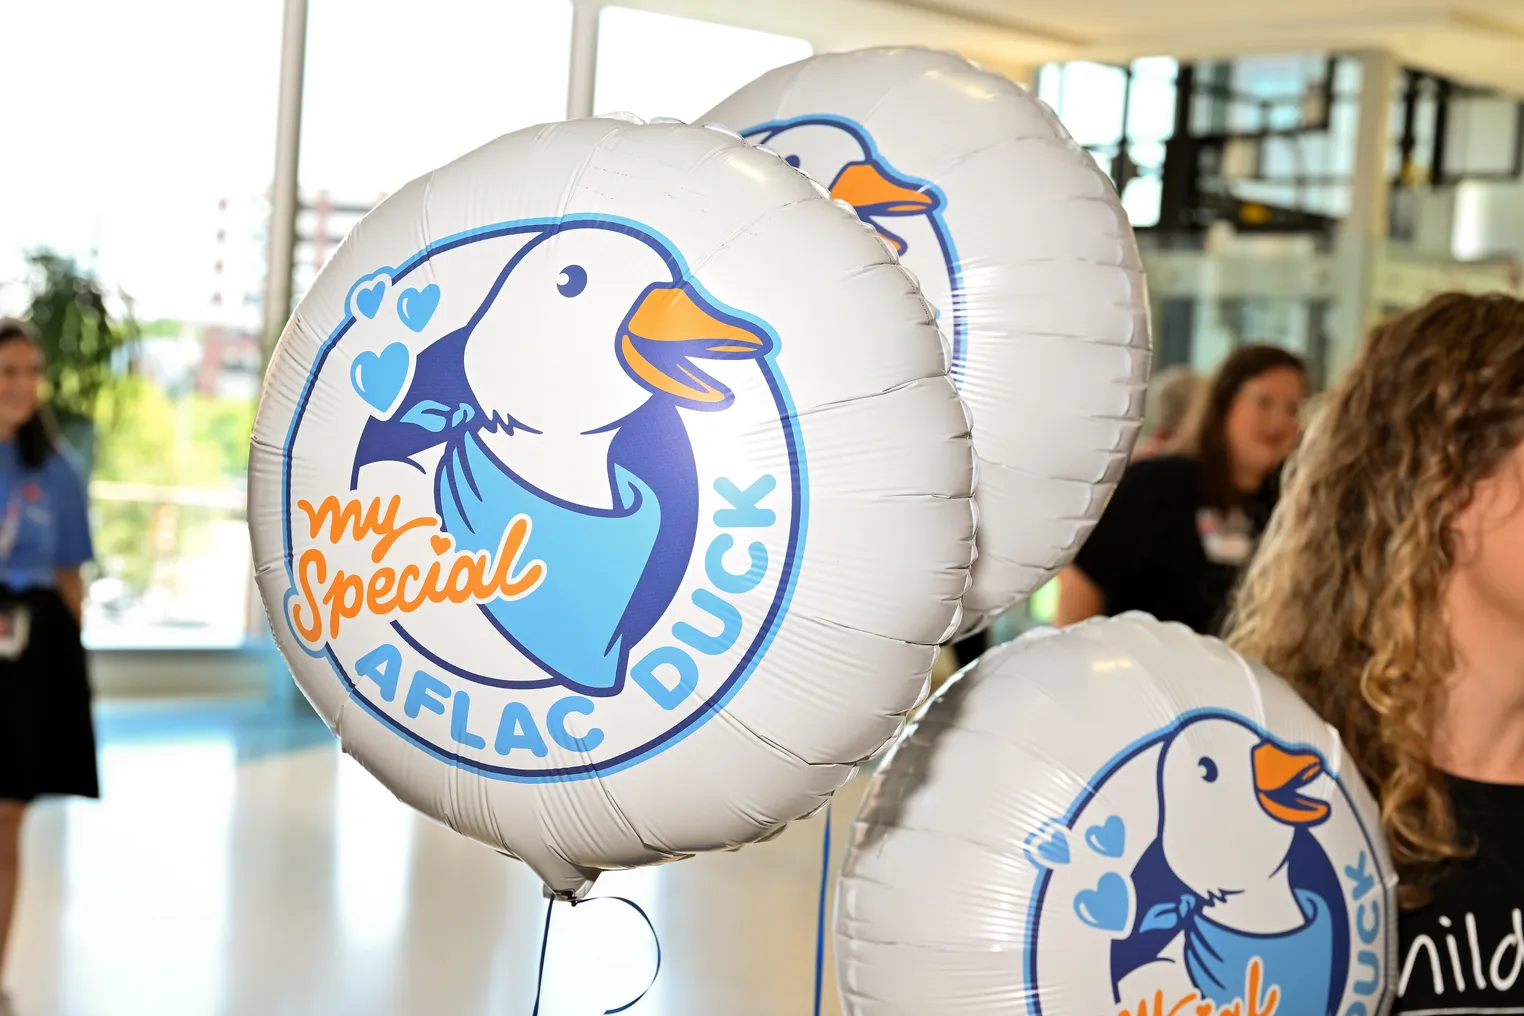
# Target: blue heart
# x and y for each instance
(369, 300)
(1109, 838)
(378, 377)
(415, 307)
(1105, 906)
(1055, 849)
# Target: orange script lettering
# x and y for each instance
(1257, 1004)
(460, 577)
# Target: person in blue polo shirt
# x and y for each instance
(47, 739)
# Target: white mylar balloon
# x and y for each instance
(609, 494)
(1018, 239)
(1120, 818)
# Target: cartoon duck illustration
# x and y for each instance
(1235, 875)
(560, 399)
(839, 155)
(908, 213)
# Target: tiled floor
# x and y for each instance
(238, 864)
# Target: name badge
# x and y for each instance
(1226, 540)
(15, 628)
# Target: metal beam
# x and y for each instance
(284, 189)
(284, 198)
(583, 72)
(1362, 240)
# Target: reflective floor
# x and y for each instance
(238, 864)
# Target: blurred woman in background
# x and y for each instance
(1171, 394)
(1390, 593)
(47, 740)
(1179, 527)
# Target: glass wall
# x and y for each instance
(658, 65)
(157, 188)
(1289, 128)
(131, 161)
(155, 191)
(1236, 194)
(391, 95)
(1123, 116)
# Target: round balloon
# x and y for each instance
(609, 493)
(1020, 243)
(1120, 818)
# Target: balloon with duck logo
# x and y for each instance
(1019, 241)
(608, 493)
(1120, 818)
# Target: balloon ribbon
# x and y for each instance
(539, 985)
(820, 920)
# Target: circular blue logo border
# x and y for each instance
(1093, 788)
(798, 516)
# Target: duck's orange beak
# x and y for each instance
(668, 325)
(865, 187)
(1279, 776)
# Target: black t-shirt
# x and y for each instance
(1150, 549)
(1463, 954)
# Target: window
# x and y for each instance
(659, 65)
(1274, 140)
(144, 146)
(167, 492)
(177, 224)
(391, 95)
(1484, 136)
(1122, 116)
(1090, 99)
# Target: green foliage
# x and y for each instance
(226, 425)
(78, 333)
(195, 440)
(161, 328)
(192, 441)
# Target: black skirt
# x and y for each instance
(47, 737)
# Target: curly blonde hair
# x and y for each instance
(1346, 596)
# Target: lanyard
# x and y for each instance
(10, 524)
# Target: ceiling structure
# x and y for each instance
(1480, 42)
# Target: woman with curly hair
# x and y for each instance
(1389, 589)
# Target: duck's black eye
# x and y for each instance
(573, 280)
(792, 160)
(1208, 769)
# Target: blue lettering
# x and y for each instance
(382, 665)
(426, 692)
(743, 512)
(730, 625)
(555, 722)
(644, 674)
(460, 720)
(517, 730)
(727, 581)
(1368, 959)
(1363, 881)
(1368, 937)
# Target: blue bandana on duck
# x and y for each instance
(594, 560)
(1217, 957)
